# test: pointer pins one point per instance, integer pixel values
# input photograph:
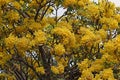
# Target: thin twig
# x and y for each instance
(25, 15)
(39, 8)
(44, 12)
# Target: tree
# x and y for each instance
(82, 44)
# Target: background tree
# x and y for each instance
(82, 44)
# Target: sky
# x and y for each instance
(117, 2)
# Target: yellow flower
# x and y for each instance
(54, 70)
(79, 78)
(69, 2)
(35, 26)
(10, 41)
(109, 47)
(107, 8)
(33, 4)
(84, 64)
(40, 69)
(81, 3)
(92, 11)
(107, 73)
(40, 37)
(22, 44)
(113, 24)
(60, 68)
(117, 42)
(4, 58)
(105, 27)
(97, 65)
(63, 61)
(87, 75)
(13, 16)
(103, 20)
(2, 61)
(16, 5)
(51, 20)
(21, 2)
(64, 24)
(20, 29)
(109, 13)
(109, 58)
(89, 39)
(117, 17)
(59, 49)
(36, 65)
(29, 36)
(11, 77)
(2, 2)
(68, 37)
(44, 22)
(32, 43)
(97, 77)
(102, 33)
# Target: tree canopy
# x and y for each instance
(81, 44)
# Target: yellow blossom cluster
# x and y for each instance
(97, 65)
(87, 67)
(63, 61)
(112, 47)
(107, 8)
(16, 5)
(117, 17)
(107, 22)
(84, 64)
(82, 3)
(102, 33)
(109, 47)
(10, 41)
(4, 57)
(64, 24)
(86, 75)
(107, 74)
(51, 20)
(44, 22)
(104, 73)
(13, 16)
(68, 38)
(2, 2)
(40, 70)
(93, 10)
(35, 26)
(88, 37)
(40, 37)
(22, 44)
(57, 69)
(69, 2)
(59, 49)
(33, 3)
(54, 70)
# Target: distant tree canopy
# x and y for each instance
(81, 44)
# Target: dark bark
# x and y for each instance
(46, 59)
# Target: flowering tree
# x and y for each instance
(82, 44)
